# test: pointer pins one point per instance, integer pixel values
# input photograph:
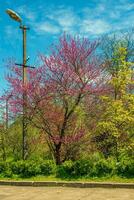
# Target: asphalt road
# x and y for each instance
(63, 193)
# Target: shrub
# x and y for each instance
(47, 167)
(5, 170)
(8, 173)
(17, 167)
(65, 170)
(125, 168)
(25, 168)
(30, 168)
(87, 167)
(83, 167)
(94, 166)
(2, 167)
(103, 168)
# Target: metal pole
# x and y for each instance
(17, 18)
(24, 29)
(24, 120)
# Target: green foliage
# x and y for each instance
(104, 168)
(47, 167)
(2, 167)
(25, 168)
(17, 167)
(94, 166)
(87, 168)
(65, 170)
(114, 130)
(8, 173)
(83, 167)
(5, 169)
(125, 166)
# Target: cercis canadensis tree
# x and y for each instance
(56, 89)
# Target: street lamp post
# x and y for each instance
(17, 18)
(24, 143)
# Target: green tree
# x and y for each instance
(114, 131)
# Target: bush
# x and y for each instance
(95, 166)
(5, 170)
(75, 169)
(32, 168)
(65, 170)
(25, 168)
(47, 167)
(83, 167)
(103, 168)
(7, 173)
(125, 168)
(87, 168)
(17, 167)
(2, 167)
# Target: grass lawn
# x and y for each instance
(114, 179)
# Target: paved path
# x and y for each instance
(61, 193)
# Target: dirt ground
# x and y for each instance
(63, 193)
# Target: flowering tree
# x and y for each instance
(55, 92)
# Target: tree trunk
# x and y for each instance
(116, 151)
(4, 153)
(57, 154)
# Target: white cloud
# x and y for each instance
(91, 12)
(121, 9)
(95, 26)
(47, 27)
(96, 20)
(125, 7)
(114, 14)
(65, 18)
(56, 21)
(26, 12)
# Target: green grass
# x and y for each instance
(115, 179)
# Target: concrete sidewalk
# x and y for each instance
(68, 184)
(64, 193)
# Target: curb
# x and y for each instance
(68, 184)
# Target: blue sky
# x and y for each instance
(48, 19)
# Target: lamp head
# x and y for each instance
(14, 15)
